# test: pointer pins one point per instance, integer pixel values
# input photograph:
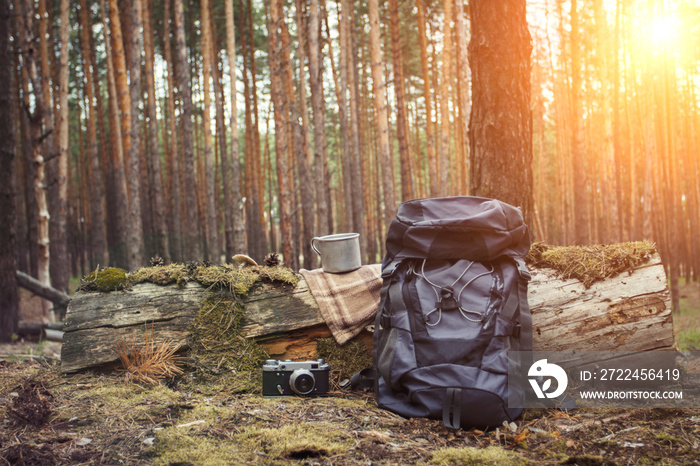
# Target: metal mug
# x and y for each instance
(339, 253)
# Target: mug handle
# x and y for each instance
(314, 246)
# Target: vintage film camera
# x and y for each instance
(306, 378)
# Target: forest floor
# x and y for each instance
(51, 418)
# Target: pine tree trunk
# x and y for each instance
(319, 118)
(123, 95)
(9, 293)
(117, 195)
(159, 225)
(343, 115)
(381, 118)
(501, 120)
(39, 127)
(578, 155)
(225, 212)
(56, 155)
(429, 131)
(281, 117)
(444, 152)
(135, 243)
(173, 155)
(98, 238)
(306, 155)
(236, 207)
(399, 90)
(59, 212)
(191, 237)
(253, 174)
(463, 95)
(357, 183)
(258, 204)
(212, 230)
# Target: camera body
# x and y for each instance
(305, 378)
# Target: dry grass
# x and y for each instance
(149, 362)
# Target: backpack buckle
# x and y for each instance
(447, 299)
(522, 269)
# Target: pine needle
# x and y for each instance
(150, 362)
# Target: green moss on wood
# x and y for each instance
(230, 277)
(110, 279)
(218, 347)
(162, 275)
(590, 264)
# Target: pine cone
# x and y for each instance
(157, 261)
(272, 259)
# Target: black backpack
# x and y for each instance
(453, 303)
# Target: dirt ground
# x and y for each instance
(50, 418)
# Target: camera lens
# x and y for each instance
(302, 382)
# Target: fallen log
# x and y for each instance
(52, 331)
(628, 312)
(57, 297)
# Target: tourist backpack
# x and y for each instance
(453, 305)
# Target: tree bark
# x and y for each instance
(501, 120)
(281, 136)
(173, 155)
(429, 126)
(343, 115)
(381, 115)
(117, 195)
(233, 161)
(9, 293)
(319, 117)
(463, 95)
(135, 243)
(122, 94)
(213, 252)
(254, 190)
(39, 128)
(299, 154)
(58, 167)
(400, 91)
(192, 240)
(578, 154)
(159, 224)
(306, 175)
(445, 150)
(98, 238)
(356, 159)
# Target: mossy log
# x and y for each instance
(628, 312)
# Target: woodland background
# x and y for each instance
(197, 130)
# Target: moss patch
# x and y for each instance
(230, 277)
(344, 360)
(110, 279)
(297, 441)
(476, 456)
(218, 347)
(183, 446)
(162, 275)
(590, 264)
